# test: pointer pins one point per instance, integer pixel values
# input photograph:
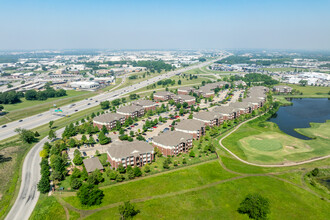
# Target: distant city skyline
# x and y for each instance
(36, 24)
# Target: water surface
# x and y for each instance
(300, 114)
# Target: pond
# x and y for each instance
(300, 114)
(325, 182)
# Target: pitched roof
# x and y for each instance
(129, 109)
(171, 138)
(163, 93)
(144, 103)
(190, 125)
(184, 97)
(240, 105)
(92, 164)
(186, 88)
(226, 110)
(109, 117)
(123, 149)
(207, 116)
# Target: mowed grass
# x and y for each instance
(171, 182)
(310, 91)
(264, 143)
(317, 130)
(221, 202)
(28, 108)
(48, 208)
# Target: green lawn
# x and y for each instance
(317, 130)
(221, 202)
(255, 143)
(48, 208)
(28, 108)
(310, 91)
(165, 183)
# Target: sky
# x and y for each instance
(165, 24)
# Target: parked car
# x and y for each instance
(154, 126)
(20, 120)
(136, 124)
(3, 126)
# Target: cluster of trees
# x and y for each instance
(10, 97)
(154, 66)
(123, 173)
(85, 128)
(133, 77)
(149, 124)
(166, 82)
(43, 95)
(253, 78)
(255, 206)
(258, 61)
(27, 136)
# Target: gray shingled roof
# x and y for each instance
(105, 118)
(172, 138)
(186, 88)
(240, 105)
(163, 93)
(224, 110)
(207, 116)
(130, 109)
(144, 103)
(123, 149)
(184, 97)
(190, 125)
(92, 164)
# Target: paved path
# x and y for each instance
(28, 194)
(287, 164)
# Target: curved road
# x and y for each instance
(28, 194)
(288, 164)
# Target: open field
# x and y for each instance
(118, 81)
(47, 208)
(28, 108)
(263, 143)
(222, 200)
(317, 130)
(203, 192)
(309, 91)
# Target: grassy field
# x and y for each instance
(317, 130)
(263, 142)
(205, 191)
(221, 202)
(28, 108)
(310, 91)
(48, 208)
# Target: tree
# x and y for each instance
(137, 171)
(77, 159)
(192, 154)
(127, 211)
(130, 174)
(44, 184)
(104, 129)
(43, 153)
(104, 105)
(166, 165)
(256, 206)
(103, 139)
(84, 139)
(72, 143)
(95, 177)
(315, 171)
(36, 134)
(51, 123)
(1, 108)
(147, 168)
(26, 136)
(51, 134)
(90, 195)
(303, 82)
(75, 183)
(179, 82)
(121, 168)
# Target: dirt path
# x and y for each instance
(288, 164)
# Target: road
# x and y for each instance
(286, 164)
(28, 194)
(43, 118)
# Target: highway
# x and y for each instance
(43, 118)
(28, 194)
